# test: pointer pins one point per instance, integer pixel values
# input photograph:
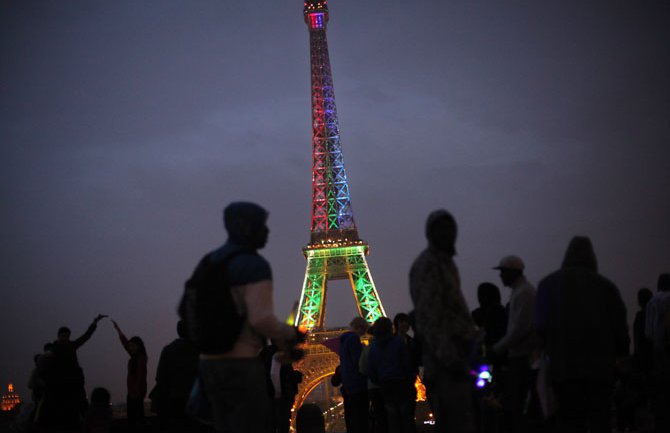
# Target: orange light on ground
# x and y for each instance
(420, 389)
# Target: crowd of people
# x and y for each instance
(556, 357)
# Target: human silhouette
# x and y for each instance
(491, 315)
(390, 367)
(234, 379)
(175, 374)
(378, 418)
(518, 344)
(581, 320)
(310, 419)
(283, 381)
(136, 379)
(64, 401)
(444, 327)
(354, 384)
(99, 415)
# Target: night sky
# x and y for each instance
(126, 126)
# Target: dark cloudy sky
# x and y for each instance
(125, 127)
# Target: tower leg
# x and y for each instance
(367, 299)
(311, 308)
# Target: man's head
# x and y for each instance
(441, 231)
(359, 326)
(664, 283)
(401, 323)
(644, 295)
(510, 267)
(488, 295)
(245, 224)
(63, 334)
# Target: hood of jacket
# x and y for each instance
(580, 254)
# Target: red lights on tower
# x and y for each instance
(316, 13)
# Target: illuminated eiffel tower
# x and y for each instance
(335, 251)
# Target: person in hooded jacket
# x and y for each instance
(234, 380)
(390, 367)
(581, 321)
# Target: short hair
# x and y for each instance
(63, 329)
(400, 317)
(359, 322)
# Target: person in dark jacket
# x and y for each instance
(581, 320)
(136, 380)
(491, 315)
(354, 383)
(64, 402)
(176, 372)
(283, 382)
(390, 367)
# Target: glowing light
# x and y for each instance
(484, 376)
(316, 20)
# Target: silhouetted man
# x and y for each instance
(176, 372)
(65, 400)
(354, 384)
(444, 327)
(518, 343)
(582, 322)
(234, 380)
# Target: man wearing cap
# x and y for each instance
(519, 341)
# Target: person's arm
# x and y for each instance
(122, 337)
(520, 323)
(89, 332)
(260, 313)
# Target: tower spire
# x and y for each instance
(335, 251)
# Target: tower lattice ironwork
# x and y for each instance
(335, 251)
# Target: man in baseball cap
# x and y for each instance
(519, 341)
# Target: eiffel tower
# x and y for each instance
(335, 251)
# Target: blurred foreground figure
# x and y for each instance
(658, 331)
(581, 320)
(444, 327)
(228, 311)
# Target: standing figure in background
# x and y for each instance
(581, 321)
(518, 343)
(390, 367)
(64, 402)
(354, 383)
(283, 381)
(444, 327)
(378, 418)
(176, 372)
(136, 380)
(99, 416)
(491, 316)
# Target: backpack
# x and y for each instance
(207, 308)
